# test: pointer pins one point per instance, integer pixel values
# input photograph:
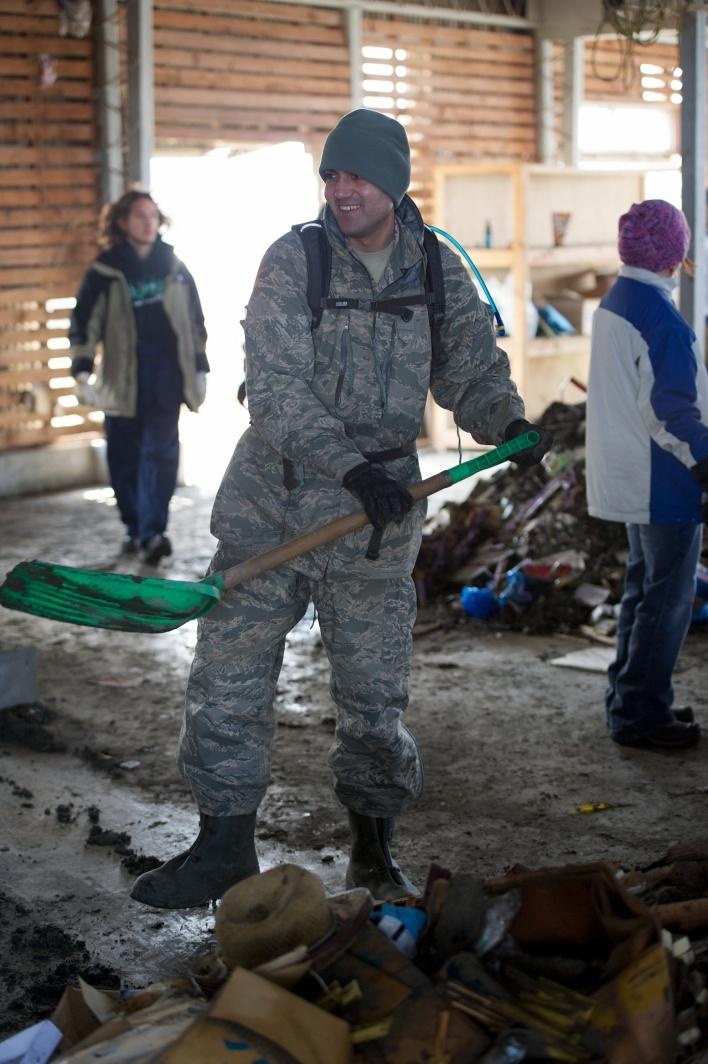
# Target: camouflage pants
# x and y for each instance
(224, 748)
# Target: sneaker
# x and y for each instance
(675, 736)
(156, 548)
(684, 714)
(130, 545)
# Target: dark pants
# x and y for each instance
(143, 451)
(655, 613)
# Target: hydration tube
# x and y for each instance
(501, 328)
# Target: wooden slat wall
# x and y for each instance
(612, 75)
(49, 204)
(247, 73)
(469, 93)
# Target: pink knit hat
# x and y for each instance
(653, 235)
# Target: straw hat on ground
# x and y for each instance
(267, 915)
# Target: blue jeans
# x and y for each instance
(143, 451)
(660, 586)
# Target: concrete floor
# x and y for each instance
(511, 744)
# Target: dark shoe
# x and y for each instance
(156, 548)
(130, 545)
(371, 864)
(675, 736)
(223, 853)
(684, 714)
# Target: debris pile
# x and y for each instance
(558, 964)
(535, 523)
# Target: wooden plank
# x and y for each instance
(16, 315)
(15, 278)
(30, 197)
(43, 237)
(63, 88)
(173, 136)
(435, 82)
(15, 440)
(17, 297)
(210, 122)
(260, 83)
(39, 9)
(401, 29)
(499, 106)
(302, 103)
(87, 428)
(45, 110)
(174, 58)
(474, 138)
(15, 337)
(453, 133)
(247, 28)
(15, 44)
(27, 376)
(472, 66)
(26, 418)
(43, 155)
(219, 44)
(256, 9)
(32, 132)
(55, 255)
(28, 67)
(14, 177)
(69, 218)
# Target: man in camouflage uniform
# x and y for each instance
(335, 412)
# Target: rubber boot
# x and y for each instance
(223, 853)
(370, 863)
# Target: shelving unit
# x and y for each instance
(518, 201)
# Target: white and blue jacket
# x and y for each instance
(647, 406)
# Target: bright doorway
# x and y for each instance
(225, 211)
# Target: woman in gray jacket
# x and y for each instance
(140, 303)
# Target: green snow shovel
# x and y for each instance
(148, 604)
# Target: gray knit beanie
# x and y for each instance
(373, 146)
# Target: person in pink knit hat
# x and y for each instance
(647, 466)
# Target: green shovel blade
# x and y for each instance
(107, 600)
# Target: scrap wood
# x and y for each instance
(688, 915)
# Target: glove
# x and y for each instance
(86, 391)
(200, 387)
(700, 472)
(533, 455)
(382, 497)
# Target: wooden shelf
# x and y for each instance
(492, 258)
(574, 255)
(518, 201)
(545, 346)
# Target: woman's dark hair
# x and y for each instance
(110, 232)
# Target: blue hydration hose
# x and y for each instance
(501, 328)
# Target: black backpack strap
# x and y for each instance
(319, 266)
(435, 287)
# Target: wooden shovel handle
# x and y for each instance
(342, 526)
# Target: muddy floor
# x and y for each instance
(512, 745)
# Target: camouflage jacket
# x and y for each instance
(358, 383)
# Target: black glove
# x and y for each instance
(700, 472)
(383, 498)
(532, 455)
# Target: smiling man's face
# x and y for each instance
(364, 213)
